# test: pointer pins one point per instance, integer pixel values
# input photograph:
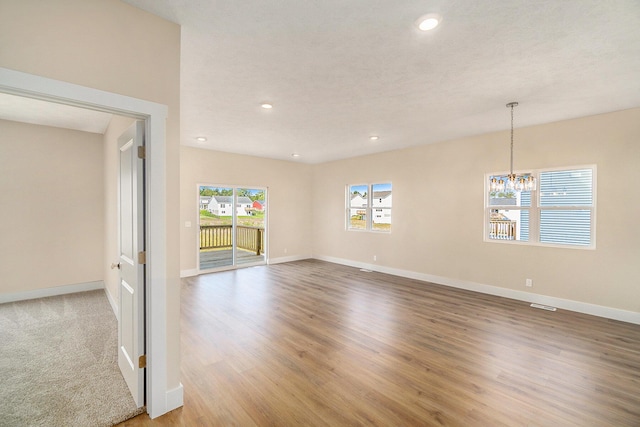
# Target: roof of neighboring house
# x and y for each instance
(503, 201)
(223, 199)
(381, 194)
(229, 199)
(205, 199)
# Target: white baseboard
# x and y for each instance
(51, 292)
(566, 304)
(175, 398)
(280, 260)
(113, 303)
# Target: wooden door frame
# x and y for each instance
(159, 399)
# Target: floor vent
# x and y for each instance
(543, 307)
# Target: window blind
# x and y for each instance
(562, 193)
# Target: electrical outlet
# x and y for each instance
(375, 258)
(528, 283)
(285, 250)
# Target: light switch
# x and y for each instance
(187, 224)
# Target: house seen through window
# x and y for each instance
(369, 207)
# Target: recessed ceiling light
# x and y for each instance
(201, 139)
(429, 21)
(374, 137)
(266, 105)
(295, 155)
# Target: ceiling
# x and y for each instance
(338, 72)
(35, 111)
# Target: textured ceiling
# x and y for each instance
(339, 71)
(27, 110)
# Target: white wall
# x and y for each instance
(51, 207)
(438, 211)
(288, 208)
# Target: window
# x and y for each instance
(509, 213)
(369, 207)
(566, 207)
(561, 211)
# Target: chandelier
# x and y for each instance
(512, 182)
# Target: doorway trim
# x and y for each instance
(159, 399)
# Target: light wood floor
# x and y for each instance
(311, 343)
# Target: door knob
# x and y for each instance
(113, 265)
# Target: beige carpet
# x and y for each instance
(59, 365)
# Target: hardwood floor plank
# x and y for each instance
(319, 344)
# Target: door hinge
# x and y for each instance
(142, 152)
(142, 361)
(142, 257)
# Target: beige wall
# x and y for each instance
(51, 208)
(438, 211)
(289, 198)
(112, 46)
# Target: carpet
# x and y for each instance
(59, 363)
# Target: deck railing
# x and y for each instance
(502, 229)
(221, 237)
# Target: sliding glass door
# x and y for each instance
(250, 226)
(232, 226)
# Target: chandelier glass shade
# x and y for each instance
(512, 182)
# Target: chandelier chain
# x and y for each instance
(512, 105)
(514, 182)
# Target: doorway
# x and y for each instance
(232, 227)
(159, 398)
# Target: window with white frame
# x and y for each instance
(560, 212)
(369, 207)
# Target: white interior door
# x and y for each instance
(132, 258)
